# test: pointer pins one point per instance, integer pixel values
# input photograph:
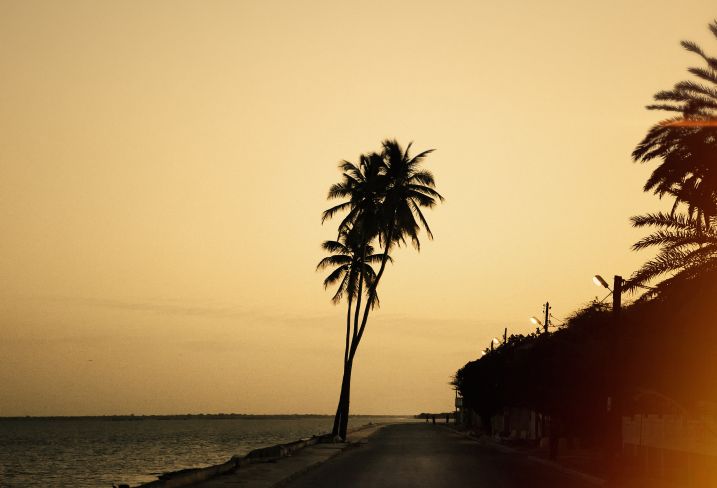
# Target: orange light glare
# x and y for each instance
(689, 123)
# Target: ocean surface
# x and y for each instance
(97, 452)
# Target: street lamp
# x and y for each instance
(536, 321)
(599, 281)
(616, 291)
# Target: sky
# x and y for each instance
(164, 166)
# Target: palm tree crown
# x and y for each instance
(350, 265)
(385, 194)
(687, 143)
(410, 188)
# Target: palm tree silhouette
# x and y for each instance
(687, 247)
(363, 185)
(687, 143)
(385, 194)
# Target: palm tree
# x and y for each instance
(386, 193)
(363, 185)
(687, 248)
(352, 270)
(687, 143)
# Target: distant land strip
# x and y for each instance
(203, 416)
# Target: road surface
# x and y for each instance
(426, 455)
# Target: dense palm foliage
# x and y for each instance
(686, 146)
(687, 143)
(363, 185)
(382, 200)
(687, 246)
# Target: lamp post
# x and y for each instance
(613, 367)
(546, 324)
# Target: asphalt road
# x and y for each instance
(426, 455)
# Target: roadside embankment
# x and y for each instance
(267, 466)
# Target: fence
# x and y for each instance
(673, 447)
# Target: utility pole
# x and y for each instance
(614, 343)
(617, 297)
(505, 335)
(547, 317)
(614, 400)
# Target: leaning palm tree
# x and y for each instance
(386, 193)
(351, 262)
(687, 143)
(687, 247)
(364, 185)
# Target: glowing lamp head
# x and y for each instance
(597, 279)
(536, 321)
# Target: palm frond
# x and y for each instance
(328, 214)
(661, 219)
(694, 48)
(341, 290)
(692, 87)
(713, 27)
(417, 211)
(334, 276)
(335, 260)
(705, 74)
(335, 246)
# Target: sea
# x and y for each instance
(84, 452)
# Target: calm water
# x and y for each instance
(98, 452)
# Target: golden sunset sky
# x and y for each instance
(164, 165)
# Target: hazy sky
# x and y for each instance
(164, 165)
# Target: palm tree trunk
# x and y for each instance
(346, 399)
(337, 417)
(340, 408)
(348, 332)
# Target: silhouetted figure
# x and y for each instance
(434, 419)
(447, 418)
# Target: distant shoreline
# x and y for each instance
(202, 416)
